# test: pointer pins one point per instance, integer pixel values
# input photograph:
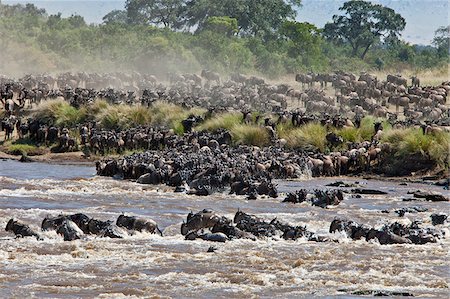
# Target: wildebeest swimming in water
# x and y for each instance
(74, 226)
(245, 226)
(21, 230)
(138, 224)
(395, 233)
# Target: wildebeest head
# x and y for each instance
(52, 223)
(125, 221)
(10, 225)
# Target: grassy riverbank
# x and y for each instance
(403, 146)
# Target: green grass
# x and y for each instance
(225, 121)
(22, 147)
(250, 135)
(309, 136)
(242, 133)
(58, 112)
(409, 142)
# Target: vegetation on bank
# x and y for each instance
(21, 147)
(151, 37)
(407, 147)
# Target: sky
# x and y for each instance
(423, 17)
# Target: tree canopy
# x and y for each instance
(166, 13)
(33, 41)
(254, 17)
(442, 40)
(363, 25)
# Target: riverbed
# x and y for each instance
(144, 265)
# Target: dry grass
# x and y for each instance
(427, 77)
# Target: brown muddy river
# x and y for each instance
(145, 265)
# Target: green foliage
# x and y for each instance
(157, 12)
(223, 25)
(303, 38)
(363, 25)
(257, 18)
(22, 147)
(442, 41)
(229, 39)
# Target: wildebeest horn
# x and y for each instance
(160, 232)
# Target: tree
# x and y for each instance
(442, 40)
(363, 25)
(166, 13)
(224, 25)
(116, 16)
(255, 17)
(303, 38)
(76, 21)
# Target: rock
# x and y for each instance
(25, 159)
(341, 184)
(179, 189)
(368, 191)
(214, 237)
(144, 179)
(429, 196)
(443, 183)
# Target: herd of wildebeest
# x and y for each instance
(210, 226)
(201, 163)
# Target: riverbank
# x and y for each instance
(71, 158)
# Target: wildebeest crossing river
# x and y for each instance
(148, 264)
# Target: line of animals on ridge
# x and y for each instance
(354, 96)
(209, 226)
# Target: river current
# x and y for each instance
(146, 265)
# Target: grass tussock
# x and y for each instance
(225, 121)
(412, 142)
(123, 117)
(309, 136)
(170, 115)
(250, 135)
(58, 112)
